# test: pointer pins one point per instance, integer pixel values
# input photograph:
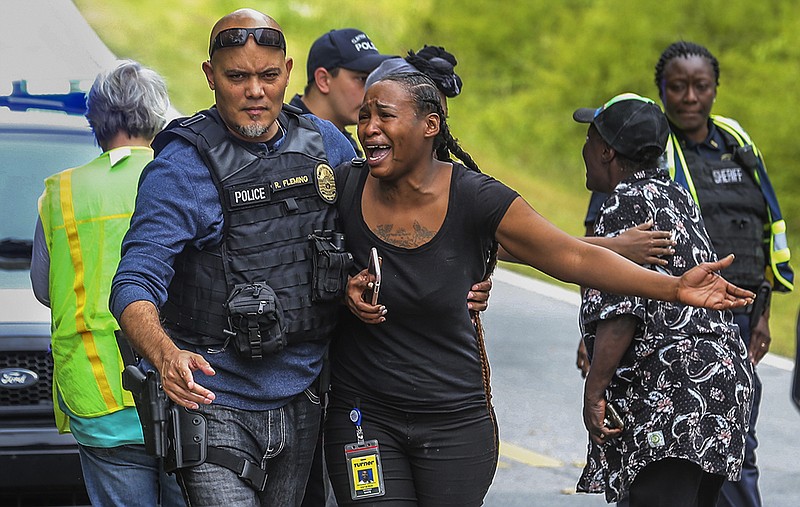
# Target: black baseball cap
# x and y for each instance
(631, 124)
(347, 48)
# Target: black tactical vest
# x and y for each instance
(734, 212)
(273, 202)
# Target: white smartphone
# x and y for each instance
(374, 269)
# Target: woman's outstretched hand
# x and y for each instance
(704, 287)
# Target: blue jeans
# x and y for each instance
(127, 476)
(281, 441)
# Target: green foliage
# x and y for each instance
(526, 66)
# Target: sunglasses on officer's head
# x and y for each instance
(238, 37)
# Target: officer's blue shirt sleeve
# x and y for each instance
(177, 205)
(595, 203)
(337, 147)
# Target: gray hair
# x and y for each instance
(128, 98)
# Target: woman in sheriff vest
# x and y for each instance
(83, 214)
(716, 160)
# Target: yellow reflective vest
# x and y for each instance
(85, 212)
(780, 275)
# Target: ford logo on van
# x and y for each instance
(17, 378)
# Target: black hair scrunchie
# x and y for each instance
(437, 63)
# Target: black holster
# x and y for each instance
(176, 435)
(187, 439)
(152, 405)
(760, 304)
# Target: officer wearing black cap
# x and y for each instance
(337, 67)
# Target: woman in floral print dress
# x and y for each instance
(677, 375)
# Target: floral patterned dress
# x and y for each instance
(684, 387)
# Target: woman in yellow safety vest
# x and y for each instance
(84, 213)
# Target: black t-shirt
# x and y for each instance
(424, 358)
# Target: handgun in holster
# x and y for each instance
(152, 405)
(171, 432)
(760, 304)
(175, 434)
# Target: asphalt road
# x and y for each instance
(531, 334)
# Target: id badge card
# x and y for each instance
(364, 469)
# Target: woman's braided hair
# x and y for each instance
(684, 49)
(425, 96)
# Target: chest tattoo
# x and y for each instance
(404, 238)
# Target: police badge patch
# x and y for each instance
(325, 183)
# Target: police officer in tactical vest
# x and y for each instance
(231, 273)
